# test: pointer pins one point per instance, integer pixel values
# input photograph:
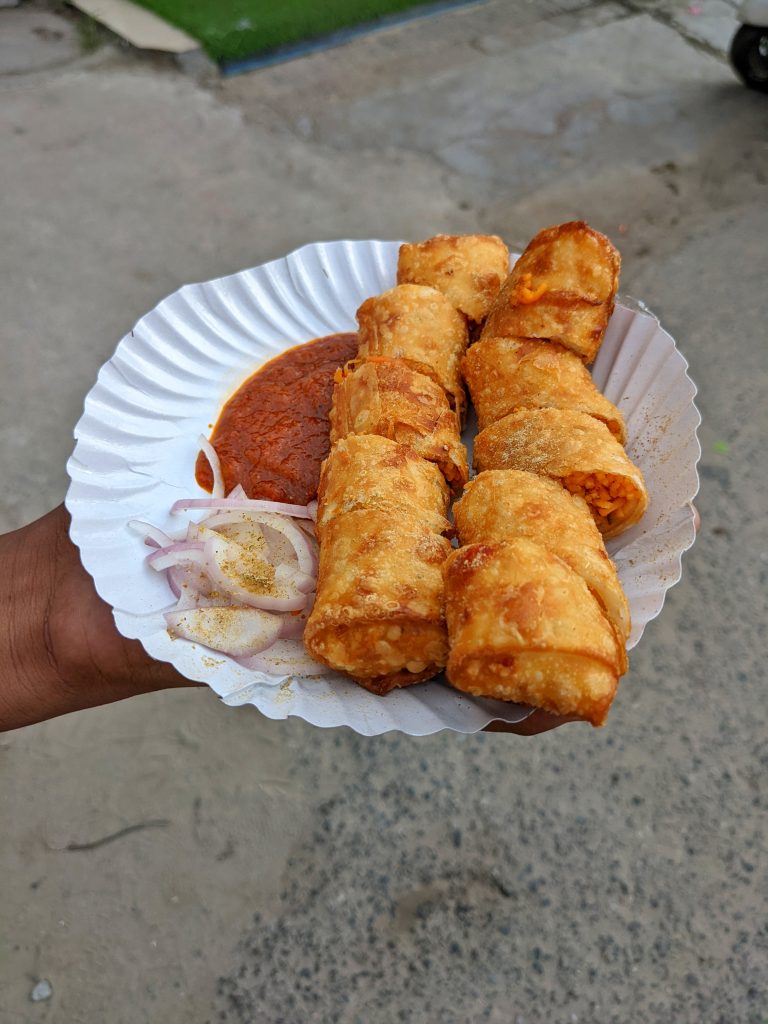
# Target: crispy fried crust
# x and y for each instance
(364, 471)
(524, 627)
(390, 399)
(379, 610)
(575, 449)
(562, 288)
(505, 504)
(468, 269)
(420, 326)
(506, 374)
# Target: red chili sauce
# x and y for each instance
(272, 434)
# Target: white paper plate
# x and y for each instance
(164, 386)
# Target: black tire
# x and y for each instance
(749, 56)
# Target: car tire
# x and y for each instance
(749, 56)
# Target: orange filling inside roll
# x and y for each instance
(525, 293)
(603, 492)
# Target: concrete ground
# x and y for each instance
(272, 872)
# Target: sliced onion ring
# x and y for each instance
(244, 504)
(293, 625)
(302, 581)
(308, 526)
(292, 628)
(151, 534)
(182, 553)
(217, 553)
(285, 658)
(235, 631)
(301, 544)
(307, 559)
(281, 543)
(215, 463)
(193, 588)
(209, 573)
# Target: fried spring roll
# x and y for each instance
(388, 398)
(468, 269)
(523, 627)
(506, 374)
(575, 449)
(420, 326)
(562, 288)
(364, 471)
(379, 610)
(505, 504)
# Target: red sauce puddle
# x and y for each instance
(273, 433)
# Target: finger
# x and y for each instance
(538, 722)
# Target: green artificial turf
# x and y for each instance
(234, 29)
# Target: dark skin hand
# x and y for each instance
(538, 722)
(60, 650)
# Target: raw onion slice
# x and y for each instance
(244, 504)
(284, 658)
(301, 546)
(180, 553)
(193, 588)
(242, 534)
(251, 540)
(239, 527)
(286, 542)
(214, 462)
(151, 535)
(239, 632)
(222, 559)
(308, 526)
(294, 623)
(240, 548)
(301, 581)
(191, 598)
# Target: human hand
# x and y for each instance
(538, 722)
(60, 650)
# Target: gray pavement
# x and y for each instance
(287, 874)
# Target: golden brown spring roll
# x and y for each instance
(562, 288)
(503, 504)
(468, 269)
(364, 471)
(387, 397)
(522, 626)
(575, 449)
(379, 610)
(506, 374)
(420, 326)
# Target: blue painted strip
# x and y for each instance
(291, 51)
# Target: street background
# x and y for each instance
(282, 873)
